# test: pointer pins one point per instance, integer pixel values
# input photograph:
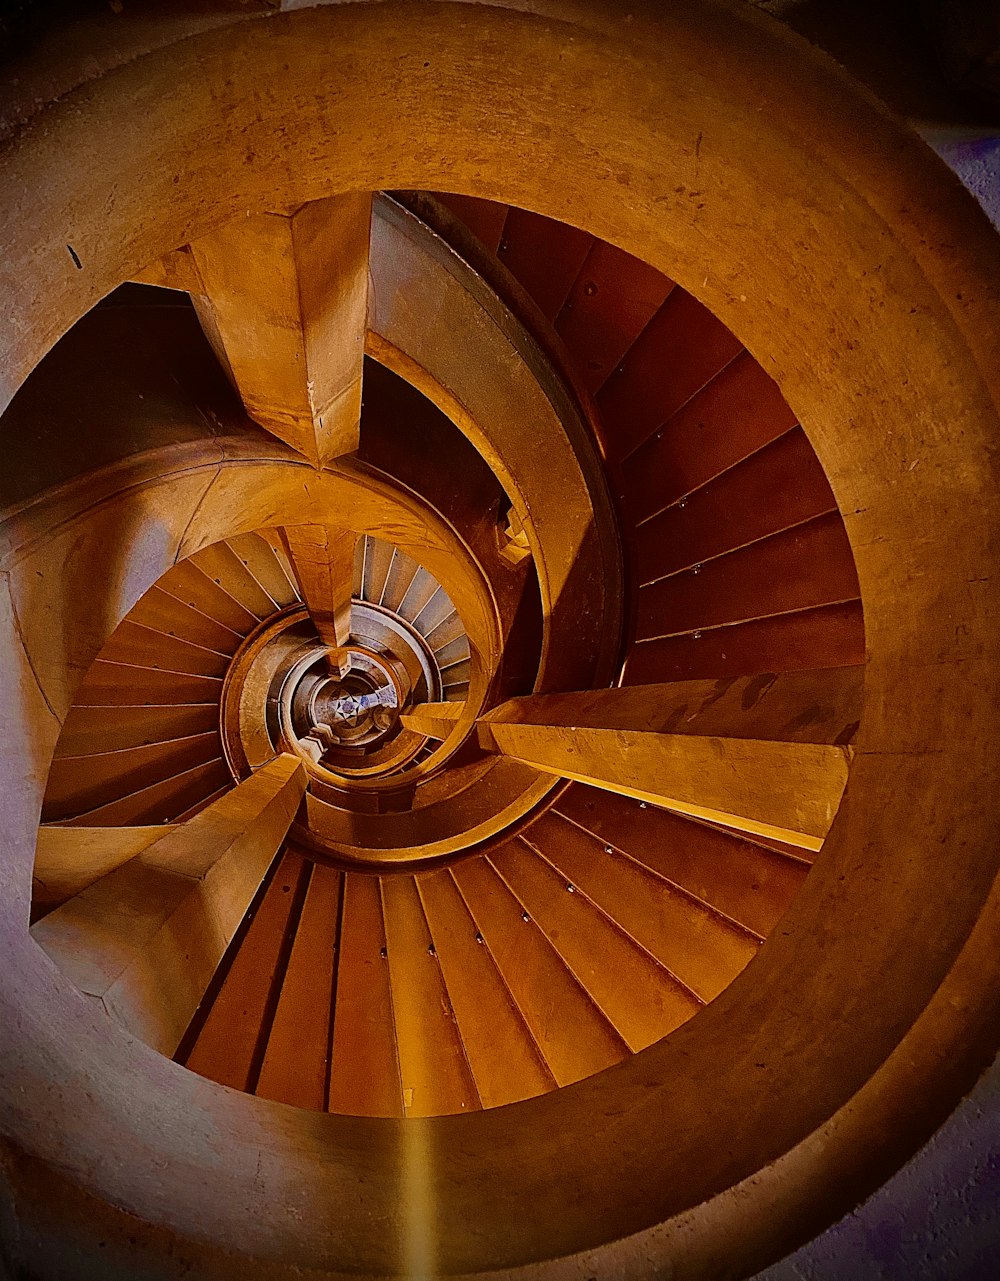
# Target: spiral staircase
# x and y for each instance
(440, 659)
(419, 980)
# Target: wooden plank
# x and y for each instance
(68, 859)
(736, 413)
(636, 993)
(120, 684)
(261, 559)
(285, 308)
(737, 876)
(296, 1061)
(814, 706)
(698, 945)
(147, 938)
(221, 564)
(546, 256)
(419, 592)
(436, 720)
(780, 486)
(613, 299)
(573, 1035)
(506, 1062)
(140, 646)
(80, 783)
(364, 1069)
(401, 572)
(679, 351)
(192, 587)
(433, 1068)
(161, 612)
(226, 1047)
(484, 218)
(378, 559)
(799, 568)
(87, 730)
(765, 754)
(827, 636)
(161, 802)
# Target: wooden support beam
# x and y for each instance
(436, 720)
(284, 304)
(763, 754)
(146, 938)
(322, 560)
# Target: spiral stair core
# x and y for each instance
(444, 880)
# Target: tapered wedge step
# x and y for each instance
(506, 1061)
(79, 784)
(738, 877)
(296, 1063)
(635, 991)
(434, 1069)
(701, 948)
(766, 754)
(283, 300)
(146, 938)
(364, 1070)
(322, 560)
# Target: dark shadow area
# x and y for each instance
(917, 55)
(135, 373)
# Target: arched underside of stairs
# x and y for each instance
(730, 158)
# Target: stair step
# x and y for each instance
(637, 994)
(364, 1070)
(297, 1057)
(613, 299)
(162, 802)
(822, 636)
(260, 559)
(433, 1068)
(681, 349)
(78, 784)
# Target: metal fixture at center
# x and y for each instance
(355, 710)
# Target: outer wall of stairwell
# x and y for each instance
(886, 1035)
